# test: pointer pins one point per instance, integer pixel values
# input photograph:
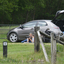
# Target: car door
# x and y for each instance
(43, 25)
(28, 28)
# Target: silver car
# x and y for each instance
(22, 32)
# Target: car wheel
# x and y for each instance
(13, 37)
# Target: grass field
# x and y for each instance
(4, 29)
(23, 53)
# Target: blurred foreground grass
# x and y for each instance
(23, 53)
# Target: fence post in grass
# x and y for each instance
(4, 49)
(53, 49)
(43, 47)
(36, 40)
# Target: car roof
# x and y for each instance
(40, 20)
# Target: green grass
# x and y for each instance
(23, 53)
(9, 26)
(1, 40)
(5, 29)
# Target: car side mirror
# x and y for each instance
(21, 26)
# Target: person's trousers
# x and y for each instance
(24, 41)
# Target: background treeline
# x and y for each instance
(20, 11)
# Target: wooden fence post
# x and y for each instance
(36, 40)
(53, 49)
(44, 51)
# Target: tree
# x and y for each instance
(6, 8)
(21, 11)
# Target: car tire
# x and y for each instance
(13, 37)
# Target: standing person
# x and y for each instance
(29, 39)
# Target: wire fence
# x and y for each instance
(5, 28)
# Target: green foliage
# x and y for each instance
(6, 8)
(20, 11)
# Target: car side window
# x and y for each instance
(29, 25)
(42, 23)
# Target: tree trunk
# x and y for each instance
(27, 16)
(34, 15)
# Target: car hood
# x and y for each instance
(13, 29)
